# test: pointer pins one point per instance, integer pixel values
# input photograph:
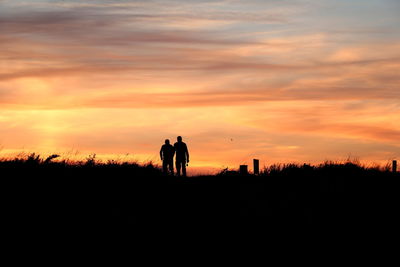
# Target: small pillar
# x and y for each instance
(243, 170)
(256, 166)
(394, 166)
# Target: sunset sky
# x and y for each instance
(282, 81)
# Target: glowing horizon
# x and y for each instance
(282, 81)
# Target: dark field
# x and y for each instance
(40, 192)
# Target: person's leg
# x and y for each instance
(178, 168)
(171, 166)
(164, 166)
(184, 168)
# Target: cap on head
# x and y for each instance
(167, 141)
(179, 138)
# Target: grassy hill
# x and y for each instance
(63, 193)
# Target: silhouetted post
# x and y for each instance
(243, 170)
(394, 166)
(256, 166)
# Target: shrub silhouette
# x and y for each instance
(50, 158)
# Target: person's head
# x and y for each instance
(179, 138)
(167, 141)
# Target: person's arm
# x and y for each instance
(187, 154)
(161, 153)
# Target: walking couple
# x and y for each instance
(167, 153)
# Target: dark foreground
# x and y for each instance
(109, 195)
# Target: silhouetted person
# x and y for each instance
(182, 156)
(167, 153)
